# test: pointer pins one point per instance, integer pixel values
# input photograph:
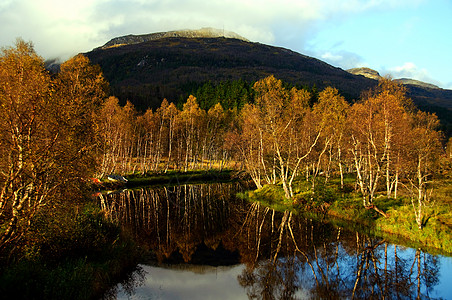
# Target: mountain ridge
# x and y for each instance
(373, 74)
(167, 63)
(206, 32)
(146, 72)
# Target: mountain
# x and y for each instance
(147, 68)
(409, 81)
(200, 33)
(369, 73)
(366, 72)
(426, 96)
(168, 67)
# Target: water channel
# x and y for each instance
(205, 243)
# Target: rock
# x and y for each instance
(116, 178)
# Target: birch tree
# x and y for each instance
(170, 114)
(274, 125)
(330, 112)
(423, 153)
(47, 134)
(251, 144)
(377, 126)
(191, 120)
(110, 134)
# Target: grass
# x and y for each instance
(437, 221)
(178, 177)
(269, 195)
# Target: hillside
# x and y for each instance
(147, 72)
(201, 33)
(369, 73)
(147, 68)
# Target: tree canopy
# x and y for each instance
(47, 133)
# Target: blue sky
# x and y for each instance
(402, 38)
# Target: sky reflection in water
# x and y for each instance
(214, 283)
(222, 282)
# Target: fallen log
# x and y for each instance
(377, 210)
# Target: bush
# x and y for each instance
(318, 200)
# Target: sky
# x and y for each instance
(400, 38)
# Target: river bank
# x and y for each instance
(344, 207)
(169, 178)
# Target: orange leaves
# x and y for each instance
(47, 133)
(191, 110)
(82, 85)
(331, 110)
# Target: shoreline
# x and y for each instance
(170, 178)
(346, 210)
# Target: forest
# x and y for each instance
(59, 131)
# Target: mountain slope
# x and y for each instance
(145, 69)
(369, 73)
(201, 33)
(147, 72)
(410, 81)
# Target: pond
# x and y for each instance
(205, 243)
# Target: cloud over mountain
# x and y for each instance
(410, 70)
(62, 29)
(72, 27)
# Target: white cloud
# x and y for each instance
(410, 70)
(65, 28)
(332, 57)
(57, 28)
(343, 59)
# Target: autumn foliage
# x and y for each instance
(56, 131)
(48, 134)
(281, 136)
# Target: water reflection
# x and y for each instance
(183, 223)
(329, 262)
(167, 282)
(281, 255)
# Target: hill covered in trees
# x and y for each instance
(171, 68)
(145, 69)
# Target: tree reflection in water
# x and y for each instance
(285, 255)
(174, 222)
(315, 260)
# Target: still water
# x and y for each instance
(205, 243)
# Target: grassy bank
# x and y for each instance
(178, 177)
(173, 178)
(344, 207)
(73, 254)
